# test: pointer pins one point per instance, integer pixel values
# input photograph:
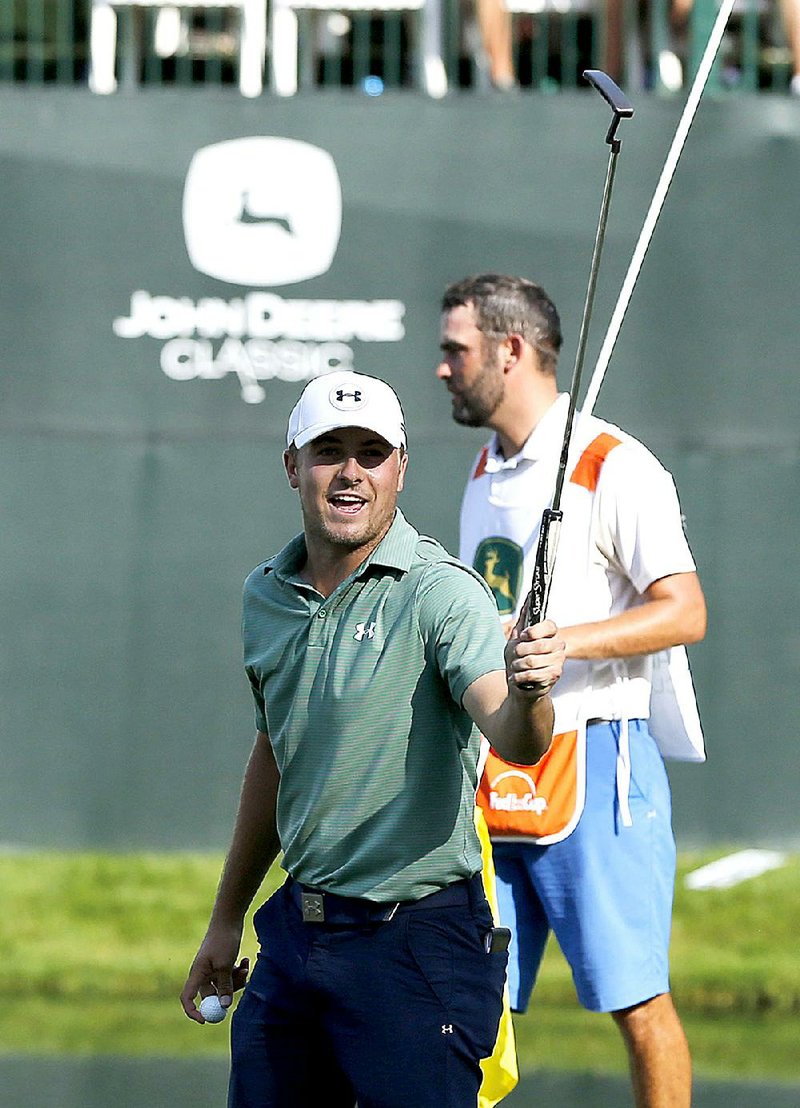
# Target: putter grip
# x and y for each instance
(543, 569)
(543, 565)
(611, 92)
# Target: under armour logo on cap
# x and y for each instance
(347, 400)
(343, 399)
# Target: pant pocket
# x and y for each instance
(431, 947)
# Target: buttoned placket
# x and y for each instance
(318, 634)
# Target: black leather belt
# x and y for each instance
(318, 906)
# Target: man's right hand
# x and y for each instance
(534, 657)
(214, 970)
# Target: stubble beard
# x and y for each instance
(477, 406)
(367, 533)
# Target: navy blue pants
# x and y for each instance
(383, 1014)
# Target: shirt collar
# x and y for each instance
(543, 441)
(288, 561)
(395, 550)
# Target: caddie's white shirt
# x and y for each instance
(610, 551)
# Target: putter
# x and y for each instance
(551, 518)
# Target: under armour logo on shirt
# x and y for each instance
(364, 631)
(447, 1029)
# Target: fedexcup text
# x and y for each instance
(510, 802)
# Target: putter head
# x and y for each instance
(614, 97)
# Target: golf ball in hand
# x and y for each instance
(211, 1010)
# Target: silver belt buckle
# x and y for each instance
(313, 907)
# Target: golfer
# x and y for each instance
(374, 657)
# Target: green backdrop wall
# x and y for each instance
(139, 487)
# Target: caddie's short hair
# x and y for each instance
(505, 305)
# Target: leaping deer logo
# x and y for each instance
(499, 561)
(498, 582)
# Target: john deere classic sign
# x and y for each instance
(259, 211)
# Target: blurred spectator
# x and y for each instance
(790, 10)
(494, 23)
(790, 15)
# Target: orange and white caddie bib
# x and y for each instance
(545, 801)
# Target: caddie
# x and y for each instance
(374, 658)
(583, 841)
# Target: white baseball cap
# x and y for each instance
(346, 400)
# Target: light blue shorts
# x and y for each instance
(605, 891)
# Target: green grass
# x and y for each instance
(94, 950)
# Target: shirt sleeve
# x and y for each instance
(260, 707)
(248, 593)
(640, 520)
(458, 619)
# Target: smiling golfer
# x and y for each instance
(372, 656)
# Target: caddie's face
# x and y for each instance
(348, 482)
(471, 367)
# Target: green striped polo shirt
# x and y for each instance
(360, 693)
